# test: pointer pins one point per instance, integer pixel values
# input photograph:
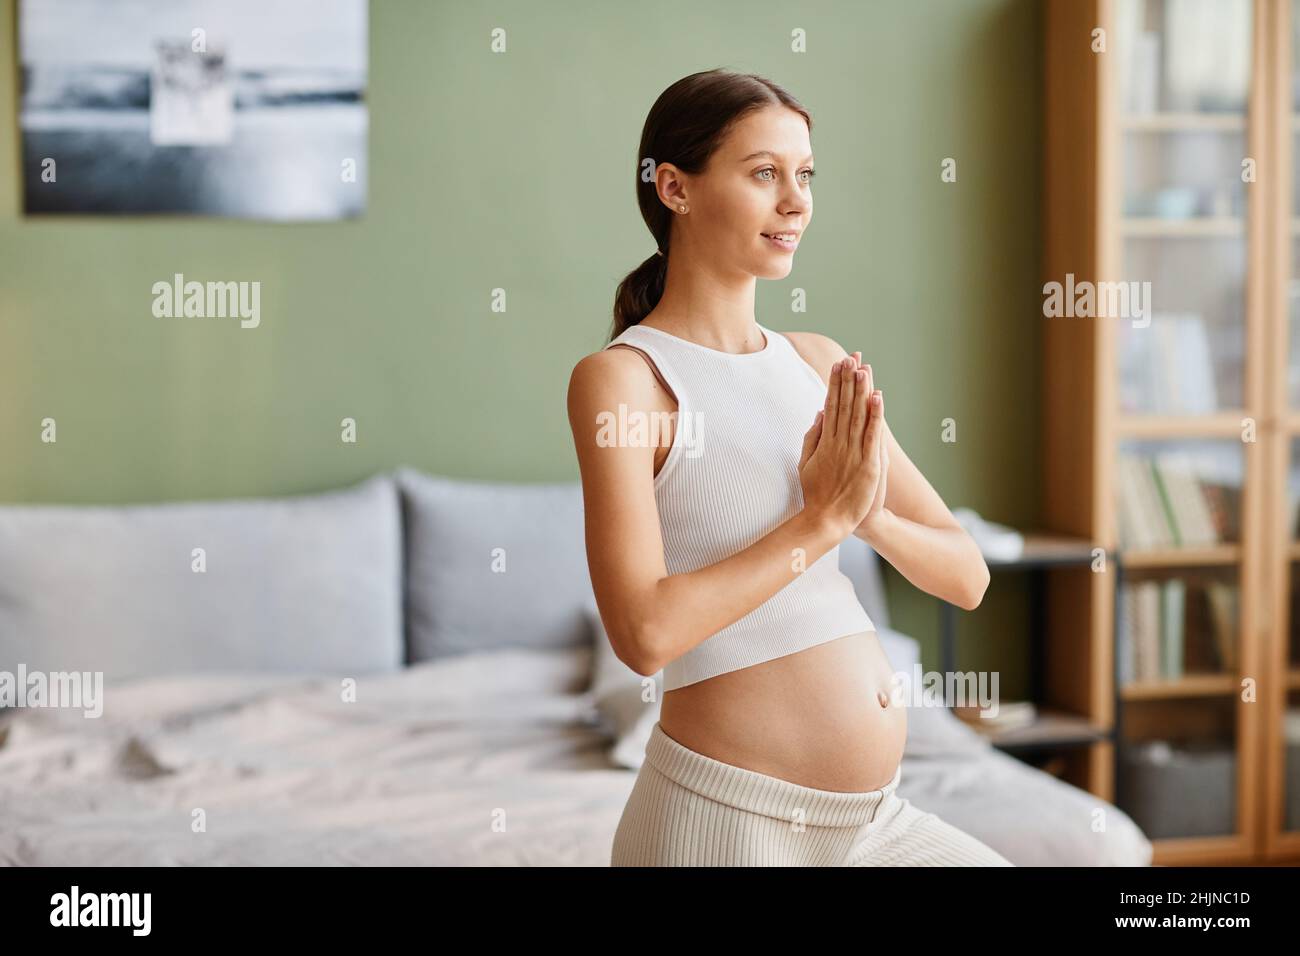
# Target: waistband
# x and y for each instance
(760, 793)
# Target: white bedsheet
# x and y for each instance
(486, 759)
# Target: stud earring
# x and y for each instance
(681, 208)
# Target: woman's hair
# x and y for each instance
(685, 126)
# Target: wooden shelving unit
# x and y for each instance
(1135, 139)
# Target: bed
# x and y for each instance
(476, 735)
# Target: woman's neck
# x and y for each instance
(708, 310)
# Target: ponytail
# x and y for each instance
(639, 292)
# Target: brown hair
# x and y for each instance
(685, 126)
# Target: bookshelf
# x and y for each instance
(1172, 426)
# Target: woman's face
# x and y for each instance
(758, 183)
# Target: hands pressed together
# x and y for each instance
(845, 457)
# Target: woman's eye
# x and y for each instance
(806, 173)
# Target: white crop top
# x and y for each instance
(731, 477)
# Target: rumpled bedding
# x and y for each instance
(488, 759)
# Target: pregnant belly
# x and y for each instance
(823, 717)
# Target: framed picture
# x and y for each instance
(249, 109)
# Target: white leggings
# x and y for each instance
(688, 809)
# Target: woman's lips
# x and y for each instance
(785, 245)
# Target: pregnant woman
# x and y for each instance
(722, 464)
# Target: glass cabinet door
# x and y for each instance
(1178, 638)
(1182, 97)
(1183, 93)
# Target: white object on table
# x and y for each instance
(995, 540)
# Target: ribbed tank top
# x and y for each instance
(731, 477)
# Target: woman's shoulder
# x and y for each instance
(608, 364)
(613, 375)
(819, 351)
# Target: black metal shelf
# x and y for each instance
(1042, 553)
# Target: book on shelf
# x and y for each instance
(1202, 645)
(1173, 597)
(1148, 619)
(1009, 715)
(1225, 508)
(1167, 367)
(1130, 515)
(1190, 513)
(1224, 607)
(1126, 652)
(1171, 628)
(1143, 523)
(1164, 504)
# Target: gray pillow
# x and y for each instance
(307, 584)
(492, 565)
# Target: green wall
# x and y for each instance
(515, 171)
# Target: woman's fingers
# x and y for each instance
(848, 385)
(810, 438)
(857, 364)
(833, 426)
(874, 412)
(859, 419)
(875, 428)
(830, 420)
(847, 393)
(871, 410)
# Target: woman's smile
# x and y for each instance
(785, 241)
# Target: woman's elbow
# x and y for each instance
(637, 649)
(978, 584)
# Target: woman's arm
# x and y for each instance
(913, 530)
(916, 533)
(653, 617)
